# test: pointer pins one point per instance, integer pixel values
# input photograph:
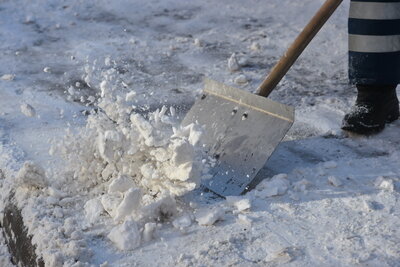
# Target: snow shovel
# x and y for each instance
(242, 129)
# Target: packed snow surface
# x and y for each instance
(92, 93)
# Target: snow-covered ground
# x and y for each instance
(328, 199)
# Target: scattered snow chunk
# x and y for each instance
(244, 219)
(103, 87)
(108, 144)
(330, 165)
(333, 180)
(126, 236)
(121, 184)
(241, 79)
(181, 39)
(32, 174)
(384, 184)
(28, 110)
(133, 40)
(277, 186)
(148, 231)
(74, 249)
(198, 42)
(91, 99)
(110, 203)
(255, 46)
(71, 90)
(93, 210)
(107, 61)
(302, 185)
(282, 256)
(29, 19)
(233, 64)
(7, 77)
(209, 217)
(129, 204)
(240, 203)
(183, 221)
(130, 96)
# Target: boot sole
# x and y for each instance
(363, 129)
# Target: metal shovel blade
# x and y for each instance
(241, 132)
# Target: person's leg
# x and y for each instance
(374, 64)
(375, 106)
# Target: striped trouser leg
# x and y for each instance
(374, 42)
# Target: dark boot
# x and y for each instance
(375, 106)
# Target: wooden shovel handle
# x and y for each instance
(298, 46)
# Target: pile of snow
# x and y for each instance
(132, 165)
(125, 168)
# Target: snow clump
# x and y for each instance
(277, 186)
(27, 110)
(233, 64)
(208, 217)
(239, 203)
(241, 79)
(7, 77)
(126, 236)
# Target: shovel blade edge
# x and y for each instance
(241, 131)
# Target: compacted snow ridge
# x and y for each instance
(91, 98)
